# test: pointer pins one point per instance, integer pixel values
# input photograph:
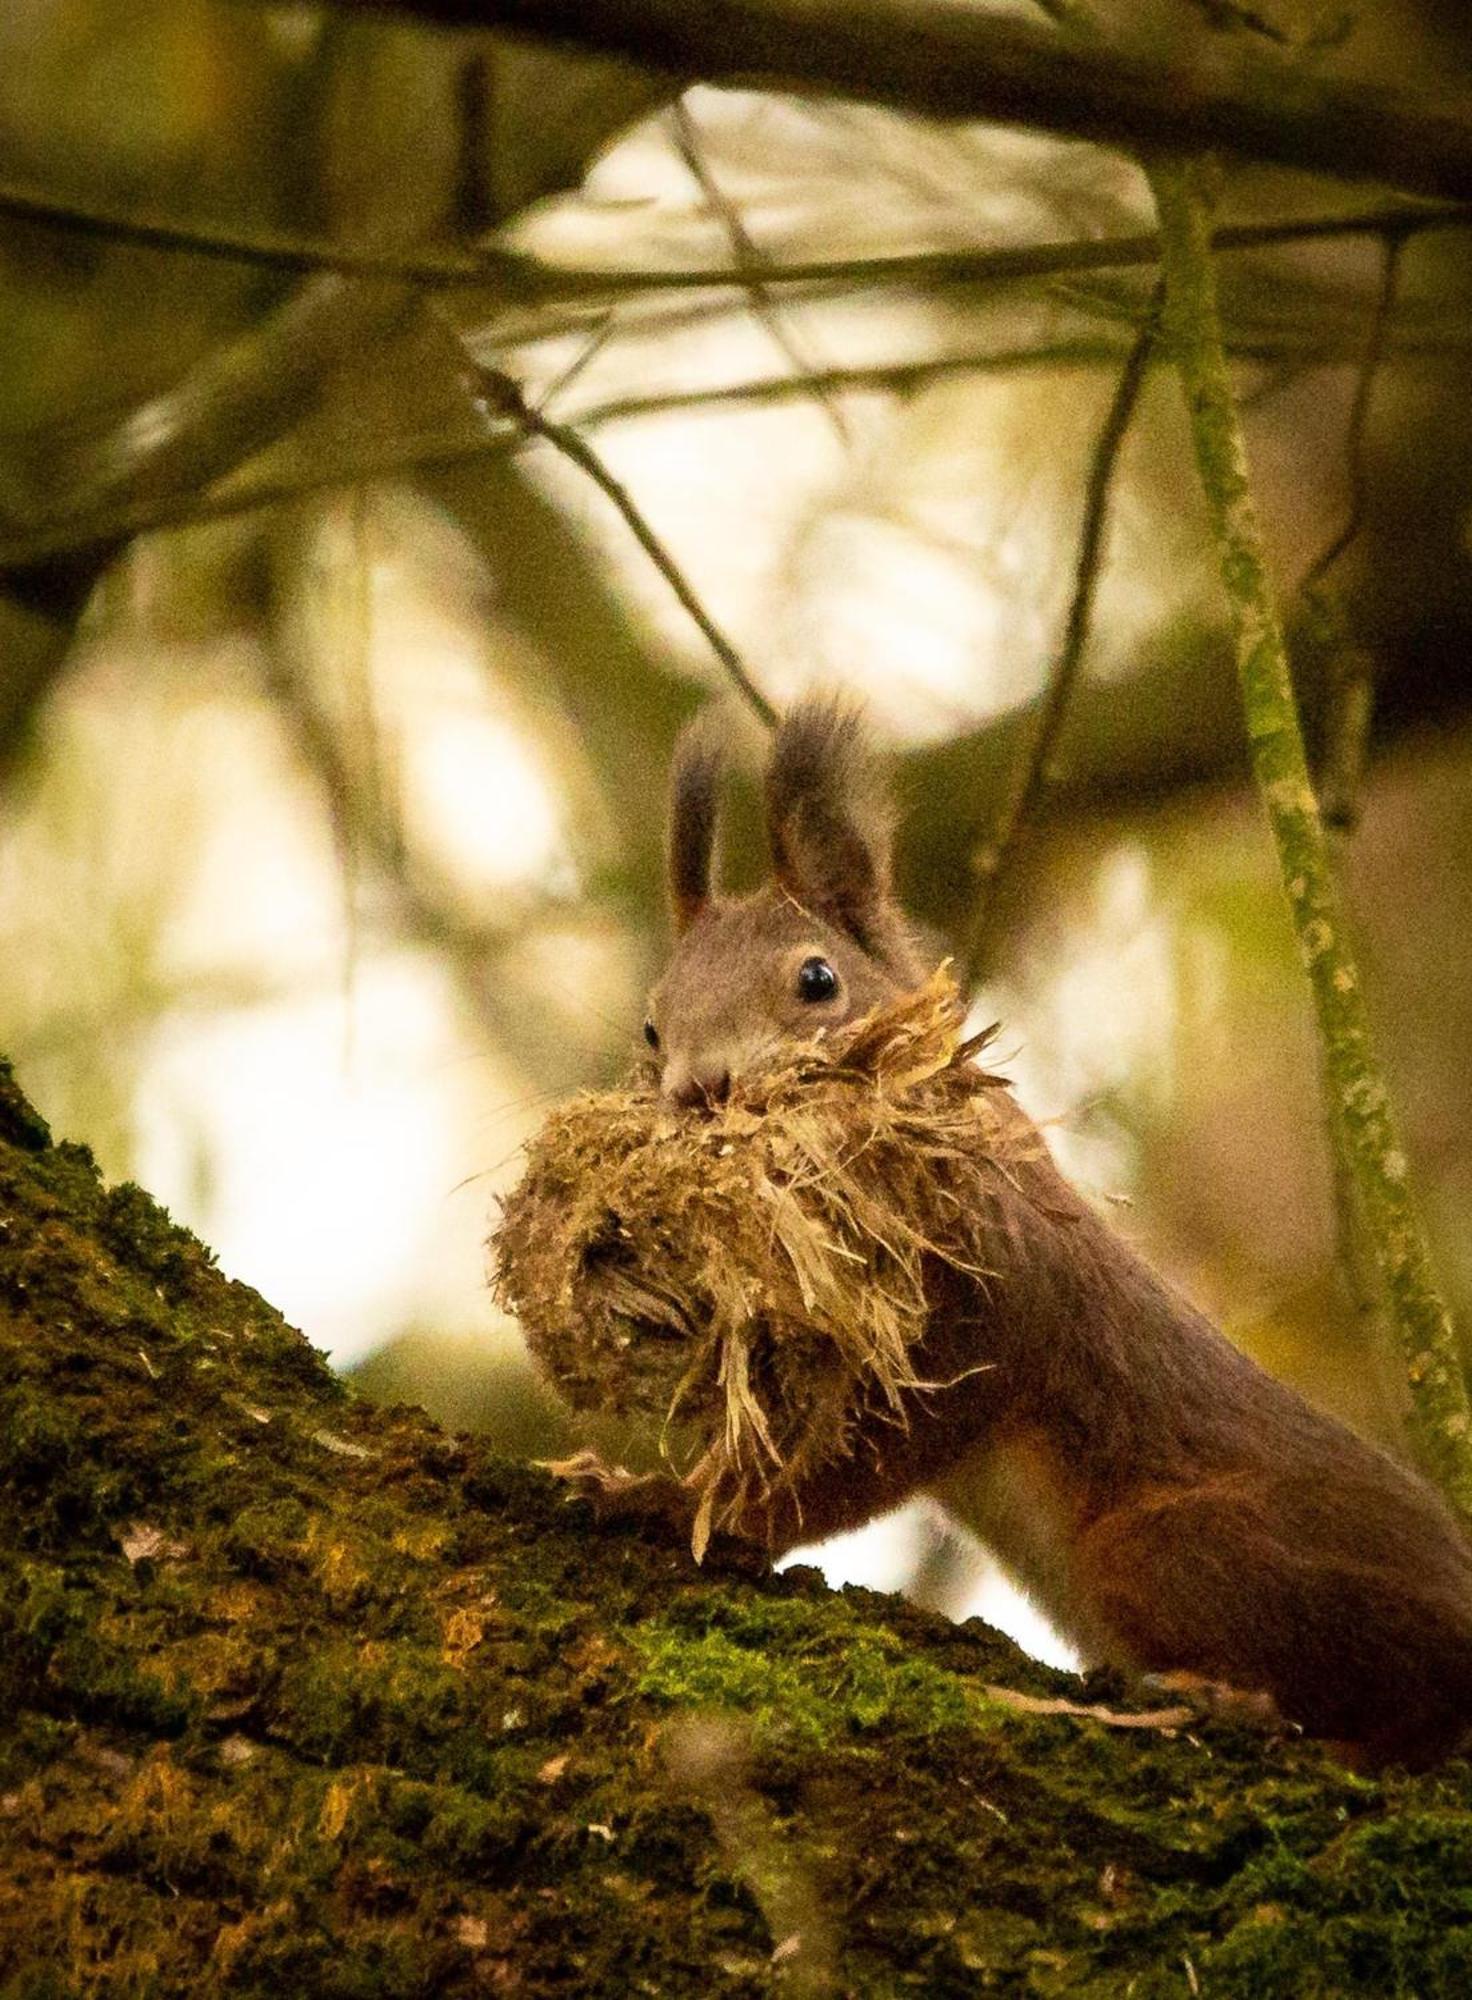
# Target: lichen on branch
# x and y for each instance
(1365, 1126)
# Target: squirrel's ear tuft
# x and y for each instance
(829, 819)
(694, 796)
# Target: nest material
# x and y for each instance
(759, 1275)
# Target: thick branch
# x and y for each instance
(946, 60)
(305, 1697)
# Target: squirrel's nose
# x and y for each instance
(696, 1083)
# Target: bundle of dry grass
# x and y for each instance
(758, 1274)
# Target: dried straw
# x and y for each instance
(761, 1273)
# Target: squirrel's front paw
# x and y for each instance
(587, 1472)
(617, 1493)
(1219, 1701)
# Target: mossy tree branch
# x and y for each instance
(304, 1696)
(1340, 774)
(1365, 1124)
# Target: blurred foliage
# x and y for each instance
(334, 711)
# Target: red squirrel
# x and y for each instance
(1174, 1510)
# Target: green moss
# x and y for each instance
(57, 1659)
(1386, 1908)
(36, 1613)
(393, 1720)
(131, 1224)
(460, 1829)
(797, 1670)
(20, 1123)
(386, 1702)
(269, 1539)
(49, 1473)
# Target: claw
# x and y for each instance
(1219, 1701)
(615, 1491)
(585, 1470)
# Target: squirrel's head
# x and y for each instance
(821, 943)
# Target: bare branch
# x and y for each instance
(897, 378)
(948, 61)
(526, 280)
(748, 259)
(504, 398)
(119, 522)
(1364, 1125)
(1359, 413)
(529, 280)
(78, 532)
(271, 249)
(1038, 774)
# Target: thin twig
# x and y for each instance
(897, 378)
(504, 398)
(94, 527)
(414, 452)
(425, 451)
(1039, 773)
(1364, 1125)
(528, 280)
(902, 377)
(271, 249)
(1162, 1720)
(749, 259)
(1355, 445)
(598, 339)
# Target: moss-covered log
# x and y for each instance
(304, 1696)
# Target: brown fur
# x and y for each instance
(695, 782)
(1172, 1507)
(829, 822)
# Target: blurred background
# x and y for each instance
(338, 680)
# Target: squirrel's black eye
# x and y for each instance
(651, 1034)
(816, 980)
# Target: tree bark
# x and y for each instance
(944, 60)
